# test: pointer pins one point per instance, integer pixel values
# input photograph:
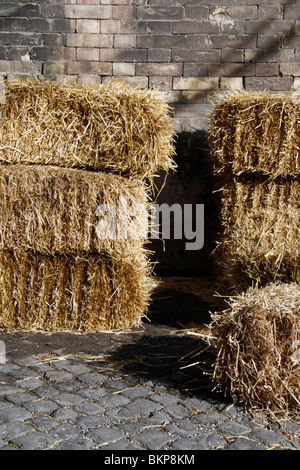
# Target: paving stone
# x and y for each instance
(30, 382)
(244, 444)
(64, 414)
(211, 417)
(43, 406)
(234, 429)
(209, 440)
(19, 398)
(91, 422)
(76, 444)
(65, 429)
(34, 440)
(68, 399)
(92, 378)
(90, 408)
(121, 414)
(164, 398)
(177, 411)
(105, 435)
(143, 406)
(44, 423)
(157, 418)
(46, 391)
(113, 401)
(153, 439)
(137, 392)
(13, 429)
(182, 428)
(6, 389)
(76, 369)
(58, 376)
(93, 393)
(6, 368)
(267, 437)
(15, 413)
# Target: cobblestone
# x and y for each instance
(88, 392)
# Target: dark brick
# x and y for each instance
(267, 70)
(98, 68)
(159, 55)
(160, 13)
(209, 56)
(13, 24)
(3, 53)
(265, 27)
(158, 69)
(54, 68)
(17, 52)
(53, 10)
(123, 55)
(270, 12)
(29, 10)
(199, 12)
(230, 70)
(292, 12)
(269, 83)
(159, 27)
(232, 55)
(197, 42)
(194, 70)
(63, 25)
(39, 24)
(48, 53)
(24, 39)
(195, 27)
(54, 39)
(238, 41)
(160, 41)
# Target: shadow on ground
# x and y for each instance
(169, 355)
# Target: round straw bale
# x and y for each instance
(110, 127)
(257, 346)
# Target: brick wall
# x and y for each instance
(188, 49)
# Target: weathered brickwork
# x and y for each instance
(188, 49)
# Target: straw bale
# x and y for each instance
(110, 127)
(256, 132)
(49, 209)
(78, 293)
(257, 343)
(260, 239)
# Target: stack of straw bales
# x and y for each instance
(70, 155)
(255, 145)
(255, 150)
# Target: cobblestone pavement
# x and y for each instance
(130, 391)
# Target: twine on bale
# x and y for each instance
(257, 345)
(112, 127)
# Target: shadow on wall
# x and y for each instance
(191, 184)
